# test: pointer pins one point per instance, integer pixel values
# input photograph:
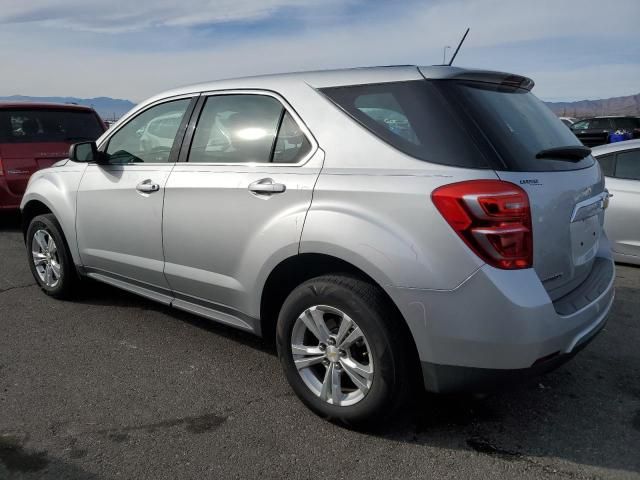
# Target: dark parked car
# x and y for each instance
(35, 136)
(601, 130)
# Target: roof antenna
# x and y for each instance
(459, 45)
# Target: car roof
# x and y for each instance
(615, 147)
(341, 77)
(43, 106)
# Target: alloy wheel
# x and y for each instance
(45, 258)
(332, 355)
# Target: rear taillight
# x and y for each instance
(492, 217)
(1, 168)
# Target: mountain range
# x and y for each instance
(629, 105)
(114, 108)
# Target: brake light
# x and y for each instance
(1, 169)
(492, 217)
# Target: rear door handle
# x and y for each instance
(147, 186)
(267, 186)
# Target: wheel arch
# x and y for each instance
(32, 209)
(294, 270)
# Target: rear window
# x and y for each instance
(36, 126)
(517, 124)
(462, 124)
(413, 117)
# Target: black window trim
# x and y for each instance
(175, 149)
(195, 117)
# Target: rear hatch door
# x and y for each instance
(531, 148)
(20, 160)
(35, 137)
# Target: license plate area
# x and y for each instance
(585, 239)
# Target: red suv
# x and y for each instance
(35, 136)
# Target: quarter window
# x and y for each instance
(292, 144)
(628, 165)
(150, 136)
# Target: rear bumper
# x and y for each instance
(8, 201)
(454, 379)
(501, 325)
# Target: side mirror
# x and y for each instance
(86, 152)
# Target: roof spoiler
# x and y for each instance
(486, 76)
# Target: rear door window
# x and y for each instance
(627, 123)
(607, 164)
(628, 165)
(48, 125)
(247, 128)
(599, 124)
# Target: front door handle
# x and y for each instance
(267, 186)
(147, 186)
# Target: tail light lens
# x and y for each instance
(492, 217)
(1, 168)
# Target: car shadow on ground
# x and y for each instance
(586, 412)
(10, 222)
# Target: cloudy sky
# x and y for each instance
(135, 48)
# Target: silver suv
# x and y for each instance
(382, 223)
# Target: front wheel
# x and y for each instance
(49, 257)
(341, 350)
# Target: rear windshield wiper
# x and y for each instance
(572, 153)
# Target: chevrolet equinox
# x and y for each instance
(380, 223)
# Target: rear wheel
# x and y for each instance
(49, 257)
(341, 352)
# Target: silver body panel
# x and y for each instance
(206, 244)
(622, 222)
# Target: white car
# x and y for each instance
(620, 163)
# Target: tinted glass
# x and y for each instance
(413, 117)
(292, 145)
(33, 126)
(627, 123)
(236, 129)
(628, 165)
(607, 164)
(593, 124)
(517, 124)
(149, 137)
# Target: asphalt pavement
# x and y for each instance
(115, 386)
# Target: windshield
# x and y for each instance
(40, 125)
(518, 125)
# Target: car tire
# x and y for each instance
(375, 375)
(49, 257)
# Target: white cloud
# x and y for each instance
(115, 16)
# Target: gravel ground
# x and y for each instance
(115, 386)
